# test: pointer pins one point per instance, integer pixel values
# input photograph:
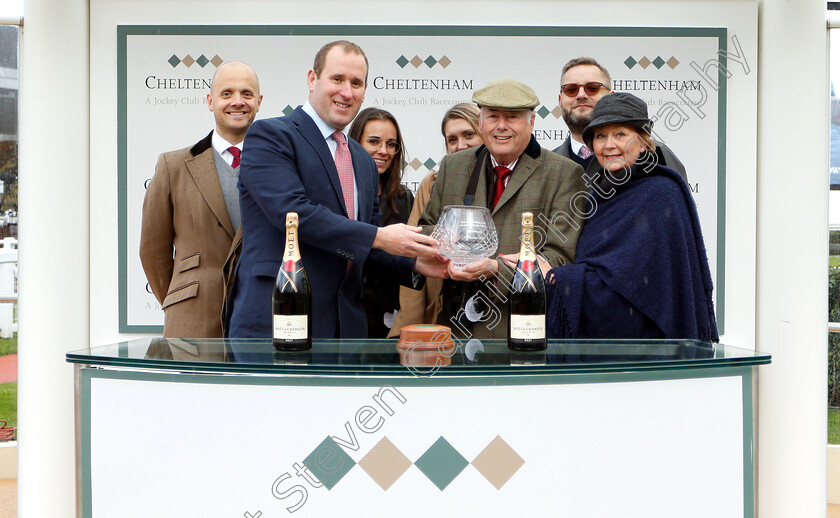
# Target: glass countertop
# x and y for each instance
(363, 357)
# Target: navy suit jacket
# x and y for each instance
(288, 168)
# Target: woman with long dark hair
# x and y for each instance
(379, 133)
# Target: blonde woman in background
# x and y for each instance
(460, 131)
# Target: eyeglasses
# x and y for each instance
(571, 89)
(391, 146)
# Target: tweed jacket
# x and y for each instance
(185, 209)
(543, 183)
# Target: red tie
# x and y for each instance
(236, 152)
(502, 174)
(344, 165)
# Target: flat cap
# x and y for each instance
(506, 94)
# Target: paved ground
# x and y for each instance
(8, 368)
(8, 498)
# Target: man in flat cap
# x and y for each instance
(510, 174)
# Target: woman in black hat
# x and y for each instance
(640, 269)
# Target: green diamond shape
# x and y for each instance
(430, 62)
(174, 60)
(287, 110)
(543, 112)
(630, 62)
(402, 61)
(441, 463)
(329, 463)
(202, 60)
(429, 163)
(658, 62)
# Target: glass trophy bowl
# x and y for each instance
(466, 234)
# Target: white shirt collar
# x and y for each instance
(325, 129)
(575, 145)
(495, 163)
(221, 145)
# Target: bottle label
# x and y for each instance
(527, 327)
(290, 327)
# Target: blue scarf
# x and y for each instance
(640, 269)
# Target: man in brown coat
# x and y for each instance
(515, 175)
(191, 210)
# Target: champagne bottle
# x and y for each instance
(526, 304)
(291, 300)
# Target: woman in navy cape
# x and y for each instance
(640, 269)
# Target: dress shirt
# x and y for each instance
(221, 146)
(327, 131)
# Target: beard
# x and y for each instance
(576, 123)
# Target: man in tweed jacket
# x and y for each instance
(516, 176)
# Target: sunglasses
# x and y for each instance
(571, 89)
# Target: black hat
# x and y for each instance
(618, 108)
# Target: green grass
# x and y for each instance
(834, 426)
(8, 346)
(833, 261)
(8, 403)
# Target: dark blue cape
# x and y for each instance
(640, 269)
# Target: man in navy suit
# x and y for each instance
(291, 166)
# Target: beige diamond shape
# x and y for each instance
(216, 61)
(498, 462)
(415, 164)
(557, 112)
(416, 61)
(672, 62)
(644, 62)
(385, 463)
(188, 60)
(444, 61)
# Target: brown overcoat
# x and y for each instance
(185, 238)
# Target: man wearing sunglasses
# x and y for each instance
(583, 83)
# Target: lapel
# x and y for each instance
(202, 168)
(358, 154)
(523, 170)
(310, 132)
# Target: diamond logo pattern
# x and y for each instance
(385, 463)
(498, 462)
(543, 112)
(288, 109)
(430, 62)
(441, 463)
(329, 463)
(416, 61)
(429, 163)
(189, 61)
(415, 164)
(444, 61)
(658, 62)
(557, 112)
(402, 61)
